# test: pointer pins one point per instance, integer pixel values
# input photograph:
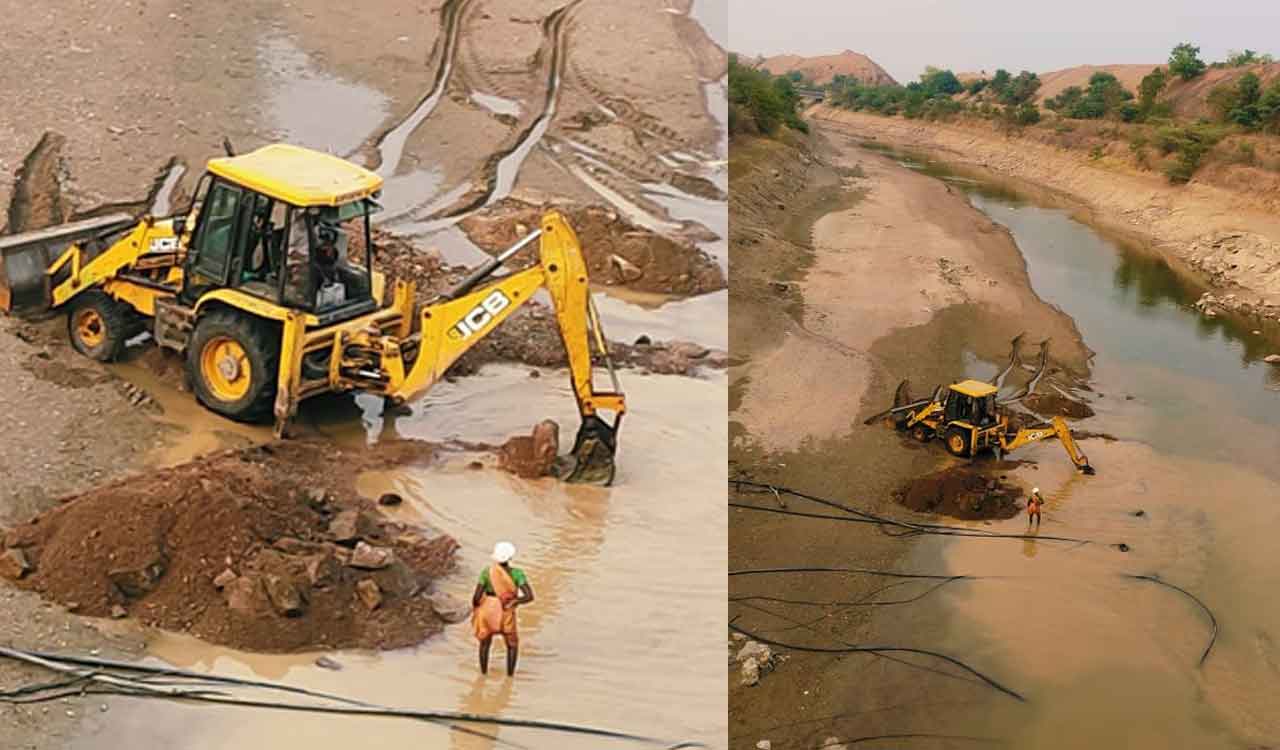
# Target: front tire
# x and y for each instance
(98, 325)
(958, 442)
(233, 361)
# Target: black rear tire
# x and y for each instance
(260, 341)
(98, 325)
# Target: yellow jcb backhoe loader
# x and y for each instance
(257, 286)
(967, 418)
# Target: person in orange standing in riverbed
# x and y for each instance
(500, 590)
(1033, 507)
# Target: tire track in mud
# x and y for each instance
(389, 146)
(502, 168)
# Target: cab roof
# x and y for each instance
(974, 388)
(298, 176)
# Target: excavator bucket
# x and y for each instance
(24, 259)
(593, 452)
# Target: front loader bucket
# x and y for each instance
(24, 259)
(593, 452)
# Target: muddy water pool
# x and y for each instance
(626, 629)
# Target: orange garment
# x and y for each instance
(1033, 506)
(490, 617)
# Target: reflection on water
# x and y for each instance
(627, 628)
(312, 108)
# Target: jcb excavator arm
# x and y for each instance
(451, 327)
(1058, 428)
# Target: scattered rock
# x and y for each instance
(14, 563)
(322, 570)
(764, 745)
(291, 546)
(389, 498)
(325, 662)
(369, 593)
(285, 596)
(688, 349)
(531, 456)
(750, 672)
(449, 608)
(245, 596)
(224, 579)
(351, 525)
(755, 650)
(137, 581)
(1272, 359)
(368, 557)
(118, 612)
(626, 270)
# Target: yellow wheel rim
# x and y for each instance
(91, 329)
(957, 444)
(225, 368)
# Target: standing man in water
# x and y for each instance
(500, 590)
(1033, 507)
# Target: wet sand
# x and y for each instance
(610, 568)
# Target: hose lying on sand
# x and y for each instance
(1213, 621)
(87, 675)
(883, 522)
(877, 650)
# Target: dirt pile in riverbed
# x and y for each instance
(960, 493)
(265, 549)
(1053, 404)
(617, 252)
(531, 335)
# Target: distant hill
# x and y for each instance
(822, 68)
(1188, 98)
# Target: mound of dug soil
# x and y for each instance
(961, 493)
(617, 252)
(265, 549)
(1053, 404)
(531, 336)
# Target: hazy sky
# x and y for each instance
(969, 35)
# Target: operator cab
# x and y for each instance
(288, 226)
(971, 401)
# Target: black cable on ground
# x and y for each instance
(877, 649)
(199, 678)
(1213, 621)
(860, 516)
(355, 708)
(867, 571)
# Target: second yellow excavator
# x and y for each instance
(267, 286)
(967, 418)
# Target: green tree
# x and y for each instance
(1269, 108)
(1185, 62)
(940, 82)
(1152, 84)
(1000, 82)
(1020, 89)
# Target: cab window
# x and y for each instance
(214, 245)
